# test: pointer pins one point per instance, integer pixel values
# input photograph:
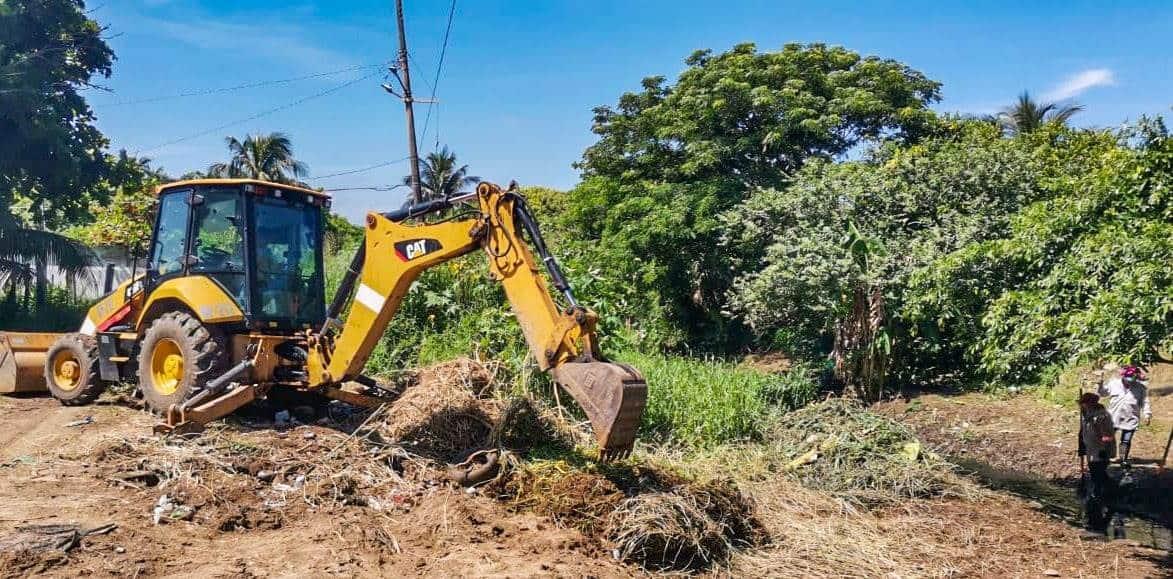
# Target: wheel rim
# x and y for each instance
(166, 367)
(66, 371)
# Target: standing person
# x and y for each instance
(1097, 446)
(1129, 403)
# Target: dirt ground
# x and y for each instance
(1026, 444)
(240, 510)
(51, 473)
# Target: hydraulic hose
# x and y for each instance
(522, 214)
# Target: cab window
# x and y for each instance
(170, 234)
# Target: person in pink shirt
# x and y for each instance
(1128, 404)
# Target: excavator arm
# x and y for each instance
(563, 340)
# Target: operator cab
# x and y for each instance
(260, 242)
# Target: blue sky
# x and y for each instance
(521, 77)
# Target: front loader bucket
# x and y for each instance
(613, 397)
(22, 361)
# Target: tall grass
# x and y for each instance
(710, 402)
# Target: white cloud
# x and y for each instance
(1077, 84)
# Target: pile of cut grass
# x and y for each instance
(644, 514)
(839, 447)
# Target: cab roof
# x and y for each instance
(232, 182)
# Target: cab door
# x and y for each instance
(168, 256)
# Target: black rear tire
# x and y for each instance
(71, 370)
(177, 357)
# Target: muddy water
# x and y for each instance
(1135, 520)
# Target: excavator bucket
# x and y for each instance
(22, 361)
(613, 397)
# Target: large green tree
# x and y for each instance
(755, 117)
(265, 157)
(52, 160)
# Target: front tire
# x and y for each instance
(71, 370)
(177, 358)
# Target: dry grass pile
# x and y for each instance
(839, 446)
(656, 519)
(687, 527)
(570, 496)
(447, 411)
(814, 534)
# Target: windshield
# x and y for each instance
(288, 265)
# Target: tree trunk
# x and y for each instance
(861, 350)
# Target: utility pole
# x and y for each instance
(405, 83)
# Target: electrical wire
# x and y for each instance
(360, 169)
(259, 115)
(222, 90)
(435, 83)
(388, 188)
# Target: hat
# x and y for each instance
(1089, 398)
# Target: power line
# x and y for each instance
(259, 115)
(436, 83)
(359, 170)
(222, 90)
(387, 188)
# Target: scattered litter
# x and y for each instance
(22, 459)
(309, 435)
(266, 475)
(168, 510)
(82, 422)
(120, 549)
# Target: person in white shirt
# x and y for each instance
(1128, 405)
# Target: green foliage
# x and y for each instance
(51, 152)
(709, 402)
(1028, 115)
(124, 222)
(649, 253)
(755, 117)
(913, 204)
(341, 233)
(60, 312)
(1081, 275)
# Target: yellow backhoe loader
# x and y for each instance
(232, 305)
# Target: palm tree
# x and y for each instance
(440, 177)
(25, 253)
(265, 157)
(1027, 115)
